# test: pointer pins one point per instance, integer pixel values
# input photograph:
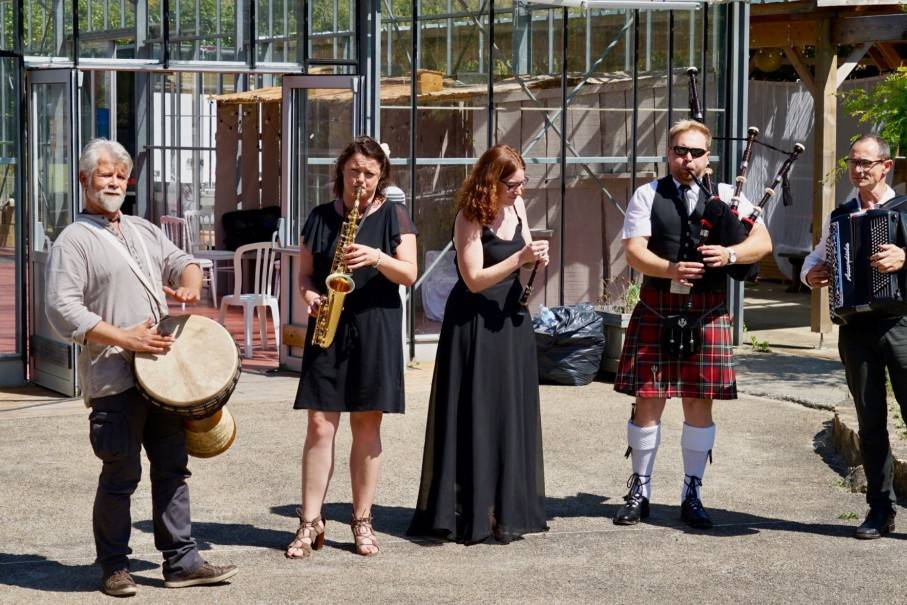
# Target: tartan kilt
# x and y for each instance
(644, 371)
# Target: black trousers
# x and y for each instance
(119, 426)
(868, 346)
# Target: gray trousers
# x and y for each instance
(868, 346)
(119, 426)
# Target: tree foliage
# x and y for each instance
(884, 106)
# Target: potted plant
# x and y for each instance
(615, 307)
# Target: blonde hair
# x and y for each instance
(687, 125)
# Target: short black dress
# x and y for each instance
(363, 369)
(483, 441)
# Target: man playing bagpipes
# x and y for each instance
(679, 341)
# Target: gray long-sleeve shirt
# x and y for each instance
(88, 281)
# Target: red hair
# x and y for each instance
(477, 197)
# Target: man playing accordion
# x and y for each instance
(870, 342)
(678, 342)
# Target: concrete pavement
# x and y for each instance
(783, 520)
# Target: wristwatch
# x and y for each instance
(731, 256)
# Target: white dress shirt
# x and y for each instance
(817, 256)
(638, 219)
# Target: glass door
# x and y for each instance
(54, 200)
(12, 317)
(321, 115)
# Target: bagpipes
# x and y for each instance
(721, 223)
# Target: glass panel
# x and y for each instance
(9, 225)
(279, 23)
(53, 153)
(323, 129)
(200, 30)
(8, 24)
(106, 28)
(48, 28)
(333, 29)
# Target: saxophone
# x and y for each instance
(339, 282)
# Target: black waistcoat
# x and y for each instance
(675, 236)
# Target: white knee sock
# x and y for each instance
(644, 442)
(697, 444)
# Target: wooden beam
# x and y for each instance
(892, 57)
(879, 59)
(875, 28)
(780, 34)
(852, 60)
(826, 112)
(796, 59)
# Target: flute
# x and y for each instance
(751, 133)
(770, 190)
(527, 290)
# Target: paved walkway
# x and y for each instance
(783, 521)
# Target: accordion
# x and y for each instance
(854, 285)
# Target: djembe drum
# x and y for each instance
(194, 379)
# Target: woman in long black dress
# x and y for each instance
(482, 471)
(362, 371)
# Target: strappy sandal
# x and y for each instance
(364, 535)
(309, 537)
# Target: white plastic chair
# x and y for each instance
(177, 231)
(261, 297)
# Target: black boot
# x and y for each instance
(691, 511)
(879, 521)
(637, 505)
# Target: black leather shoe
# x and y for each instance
(637, 505)
(636, 508)
(691, 511)
(879, 521)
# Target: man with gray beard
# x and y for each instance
(106, 281)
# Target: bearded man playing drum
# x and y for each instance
(106, 277)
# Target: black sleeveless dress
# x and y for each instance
(483, 441)
(363, 369)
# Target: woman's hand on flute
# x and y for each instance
(535, 251)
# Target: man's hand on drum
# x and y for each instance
(888, 259)
(817, 277)
(313, 301)
(686, 272)
(144, 338)
(183, 294)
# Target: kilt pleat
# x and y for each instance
(645, 370)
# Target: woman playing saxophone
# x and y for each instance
(360, 369)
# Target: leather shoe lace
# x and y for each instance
(691, 510)
(119, 584)
(206, 574)
(637, 505)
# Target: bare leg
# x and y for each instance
(365, 460)
(648, 411)
(318, 460)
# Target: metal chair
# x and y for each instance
(177, 231)
(262, 295)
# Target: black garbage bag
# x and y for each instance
(570, 342)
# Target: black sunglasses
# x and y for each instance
(694, 152)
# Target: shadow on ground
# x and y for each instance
(37, 572)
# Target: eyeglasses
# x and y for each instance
(516, 184)
(694, 152)
(863, 165)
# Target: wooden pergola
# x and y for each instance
(876, 31)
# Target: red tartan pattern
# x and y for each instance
(709, 374)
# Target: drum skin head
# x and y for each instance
(202, 362)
